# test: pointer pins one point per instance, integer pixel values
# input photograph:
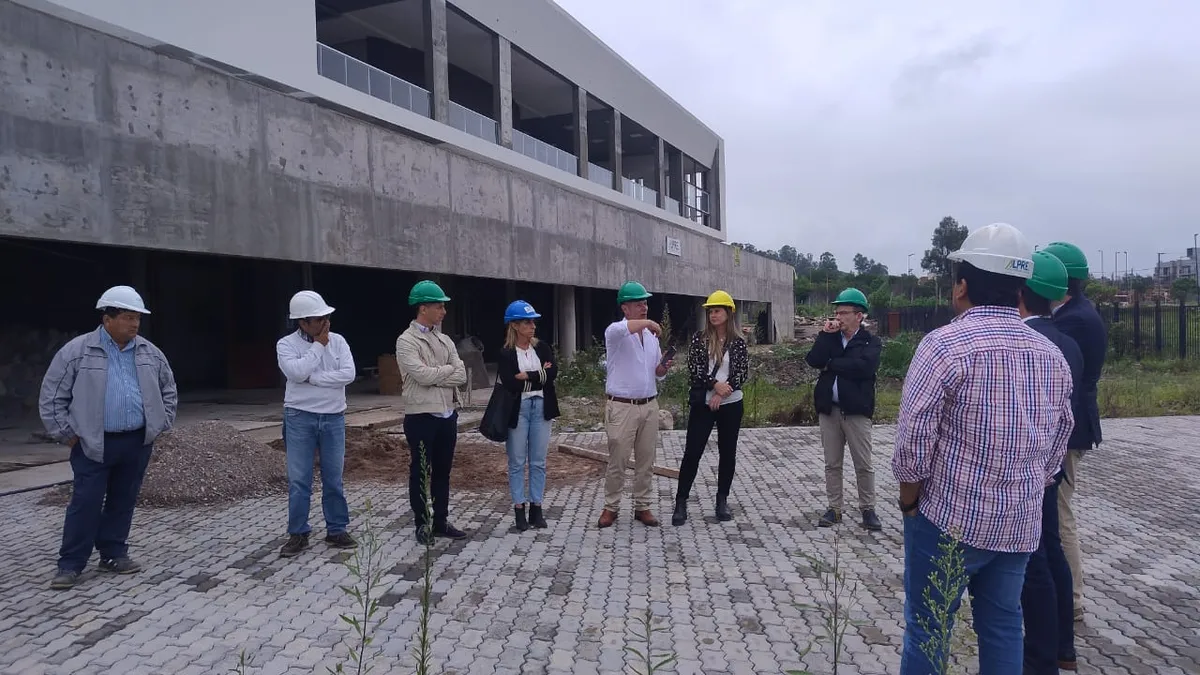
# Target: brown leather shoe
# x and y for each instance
(607, 518)
(646, 518)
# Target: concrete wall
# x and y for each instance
(107, 142)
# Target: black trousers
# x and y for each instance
(728, 420)
(438, 436)
(1047, 600)
(102, 499)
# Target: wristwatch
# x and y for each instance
(905, 508)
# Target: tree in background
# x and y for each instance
(1182, 288)
(864, 266)
(947, 238)
(827, 263)
(1140, 284)
(1101, 291)
(801, 287)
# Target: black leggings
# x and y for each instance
(728, 420)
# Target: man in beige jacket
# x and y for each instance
(431, 370)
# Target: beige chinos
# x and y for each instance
(630, 428)
(838, 431)
(1068, 529)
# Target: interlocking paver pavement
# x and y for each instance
(726, 596)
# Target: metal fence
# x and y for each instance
(1159, 330)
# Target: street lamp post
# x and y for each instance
(1196, 265)
(912, 283)
(1101, 262)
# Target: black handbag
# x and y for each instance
(494, 425)
(696, 395)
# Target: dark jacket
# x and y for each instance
(699, 370)
(854, 368)
(1074, 358)
(539, 380)
(1080, 321)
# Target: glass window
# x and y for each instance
(381, 85)
(356, 75)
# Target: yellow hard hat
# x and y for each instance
(720, 299)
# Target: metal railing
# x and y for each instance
(368, 79)
(544, 152)
(600, 175)
(479, 126)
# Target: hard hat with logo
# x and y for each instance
(1072, 258)
(998, 248)
(308, 304)
(426, 292)
(851, 296)
(630, 291)
(519, 310)
(1049, 278)
(122, 297)
(720, 299)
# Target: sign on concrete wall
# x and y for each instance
(674, 246)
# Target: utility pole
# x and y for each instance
(1115, 268)
(1101, 262)
(1158, 275)
(1196, 265)
(912, 282)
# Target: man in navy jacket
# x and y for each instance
(1047, 599)
(1077, 317)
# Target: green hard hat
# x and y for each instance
(630, 291)
(426, 292)
(1072, 258)
(1049, 278)
(851, 296)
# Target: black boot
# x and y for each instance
(723, 512)
(522, 524)
(536, 518)
(680, 516)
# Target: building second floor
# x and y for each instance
(515, 81)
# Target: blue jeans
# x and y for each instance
(102, 499)
(994, 579)
(1048, 600)
(303, 434)
(528, 444)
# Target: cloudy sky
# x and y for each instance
(855, 126)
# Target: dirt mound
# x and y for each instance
(479, 465)
(203, 463)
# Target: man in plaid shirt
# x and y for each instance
(984, 421)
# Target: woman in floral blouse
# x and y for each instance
(718, 364)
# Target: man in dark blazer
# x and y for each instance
(1077, 317)
(1047, 599)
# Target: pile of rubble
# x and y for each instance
(204, 463)
(805, 328)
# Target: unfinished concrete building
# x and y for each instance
(220, 155)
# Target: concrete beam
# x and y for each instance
(502, 106)
(614, 150)
(716, 200)
(660, 172)
(579, 110)
(437, 60)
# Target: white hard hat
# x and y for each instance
(122, 297)
(999, 248)
(307, 304)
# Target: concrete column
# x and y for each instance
(675, 175)
(585, 302)
(715, 186)
(660, 172)
(579, 110)
(437, 60)
(502, 77)
(306, 276)
(614, 149)
(566, 321)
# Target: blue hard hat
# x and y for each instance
(518, 310)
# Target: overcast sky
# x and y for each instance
(855, 126)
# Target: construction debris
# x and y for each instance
(601, 456)
(204, 463)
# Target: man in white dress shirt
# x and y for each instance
(634, 365)
(318, 366)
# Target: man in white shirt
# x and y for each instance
(318, 366)
(634, 365)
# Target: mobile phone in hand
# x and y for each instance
(669, 355)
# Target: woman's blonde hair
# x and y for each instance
(510, 337)
(733, 331)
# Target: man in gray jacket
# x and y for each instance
(107, 395)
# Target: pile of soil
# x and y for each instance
(479, 465)
(203, 463)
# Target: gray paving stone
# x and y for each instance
(569, 599)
